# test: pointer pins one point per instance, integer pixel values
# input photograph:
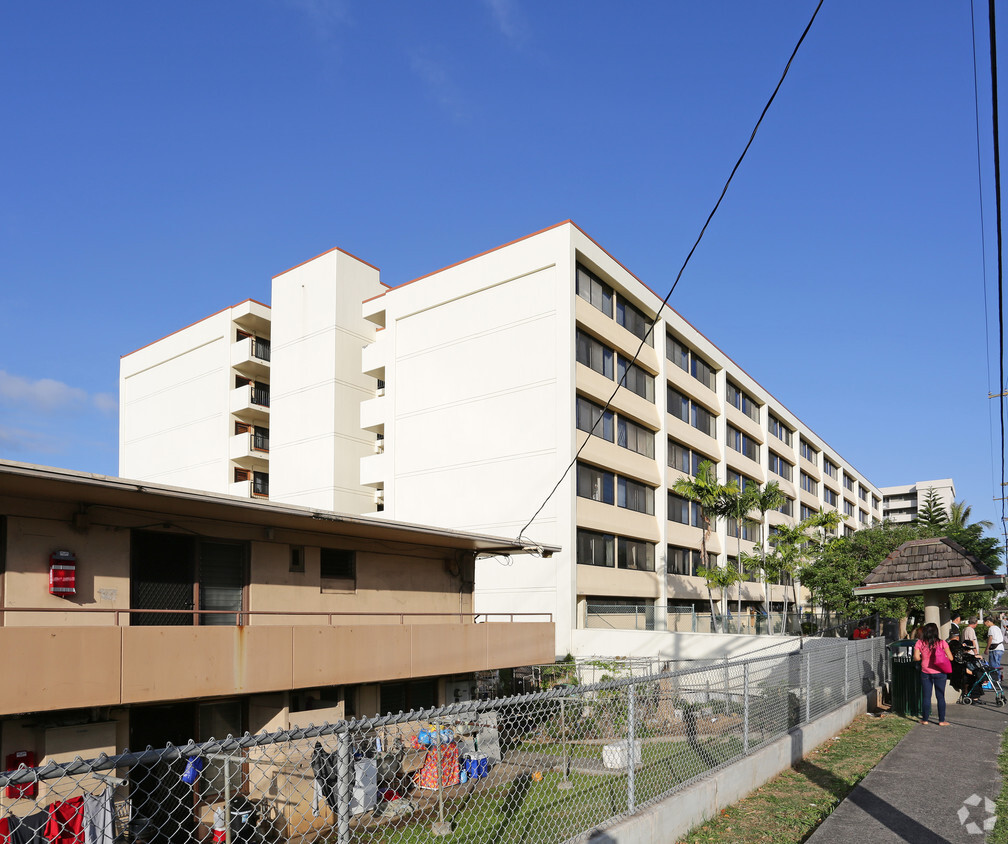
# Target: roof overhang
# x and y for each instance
(994, 582)
(46, 483)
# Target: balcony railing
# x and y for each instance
(260, 440)
(261, 394)
(621, 616)
(260, 484)
(121, 616)
(261, 348)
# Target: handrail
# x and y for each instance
(240, 615)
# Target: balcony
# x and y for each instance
(250, 449)
(373, 413)
(255, 486)
(373, 360)
(373, 470)
(251, 401)
(84, 665)
(251, 356)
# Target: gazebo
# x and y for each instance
(932, 568)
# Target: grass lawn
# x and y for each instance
(788, 808)
(526, 809)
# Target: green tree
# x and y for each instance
(709, 495)
(769, 497)
(932, 516)
(959, 516)
(737, 504)
(718, 577)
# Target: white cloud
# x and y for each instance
(439, 83)
(16, 441)
(508, 18)
(48, 395)
(324, 15)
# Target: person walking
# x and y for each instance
(969, 636)
(936, 662)
(995, 644)
(954, 627)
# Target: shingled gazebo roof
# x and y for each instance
(924, 564)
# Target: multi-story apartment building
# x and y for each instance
(901, 503)
(260, 400)
(134, 615)
(484, 380)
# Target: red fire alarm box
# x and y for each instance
(63, 574)
(14, 761)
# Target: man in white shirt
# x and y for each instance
(995, 644)
(968, 635)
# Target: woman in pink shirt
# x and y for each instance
(936, 661)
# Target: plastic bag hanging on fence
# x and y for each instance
(193, 769)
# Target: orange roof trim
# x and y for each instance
(321, 254)
(191, 324)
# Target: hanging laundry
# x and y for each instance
(4, 831)
(28, 830)
(98, 825)
(66, 822)
(326, 784)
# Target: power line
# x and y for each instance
(983, 235)
(997, 196)
(710, 216)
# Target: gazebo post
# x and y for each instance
(936, 600)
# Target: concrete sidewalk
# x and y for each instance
(932, 788)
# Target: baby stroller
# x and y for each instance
(971, 676)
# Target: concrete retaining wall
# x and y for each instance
(672, 818)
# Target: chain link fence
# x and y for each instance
(550, 766)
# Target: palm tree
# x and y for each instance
(737, 505)
(709, 494)
(718, 577)
(770, 497)
(705, 491)
(959, 517)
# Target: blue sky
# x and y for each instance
(162, 161)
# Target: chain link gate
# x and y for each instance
(550, 766)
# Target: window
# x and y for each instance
(595, 484)
(742, 401)
(242, 475)
(848, 530)
(633, 495)
(689, 411)
(683, 560)
(829, 496)
(751, 575)
(780, 467)
(683, 511)
(808, 452)
(402, 697)
(848, 508)
(862, 517)
(809, 484)
(634, 321)
(862, 493)
(260, 438)
(594, 354)
(787, 508)
(635, 437)
(848, 482)
(701, 370)
(593, 290)
(588, 413)
(681, 457)
(830, 468)
(741, 481)
(742, 443)
(635, 554)
(260, 484)
(297, 565)
(678, 405)
(637, 380)
(780, 430)
(689, 361)
(337, 564)
(807, 511)
(702, 419)
(595, 549)
(875, 502)
(750, 529)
